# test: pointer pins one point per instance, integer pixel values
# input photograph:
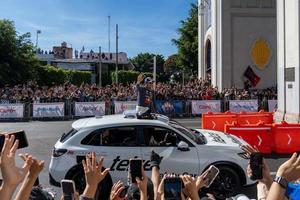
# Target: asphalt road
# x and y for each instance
(43, 135)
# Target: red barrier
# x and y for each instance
(255, 117)
(286, 137)
(216, 121)
(259, 135)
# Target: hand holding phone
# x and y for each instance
(256, 165)
(68, 189)
(19, 135)
(172, 188)
(211, 173)
(135, 169)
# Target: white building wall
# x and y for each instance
(216, 43)
(235, 26)
(279, 115)
(288, 58)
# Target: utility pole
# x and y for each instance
(100, 67)
(154, 71)
(108, 33)
(37, 38)
(117, 53)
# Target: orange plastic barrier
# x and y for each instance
(258, 135)
(216, 121)
(255, 117)
(286, 137)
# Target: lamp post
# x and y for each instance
(117, 53)
(100, 67)
(37, 38)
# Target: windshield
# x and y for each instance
(196, 137)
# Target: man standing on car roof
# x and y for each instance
(145, 98)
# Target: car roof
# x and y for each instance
(118, 120)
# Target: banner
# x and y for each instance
(121, 106)
(272, 105)
(48, 110)
(169, 107)
(199, 107)
(243, 105)
(11, 110)
(89, 108)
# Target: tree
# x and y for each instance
(187, 43)
(143, 62)
(17, 58)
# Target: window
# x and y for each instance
(159, 136)
(68, 135)
(119, 136)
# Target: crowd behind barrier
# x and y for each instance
(173, 99)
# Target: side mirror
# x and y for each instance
(183, 146)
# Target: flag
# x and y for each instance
(38, 31)
(253, 78)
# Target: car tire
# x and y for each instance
(227, 183)
(104, 188)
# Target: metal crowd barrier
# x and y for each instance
(67, 112)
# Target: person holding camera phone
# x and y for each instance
(263, 184)
(11, 174)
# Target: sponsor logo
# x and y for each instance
(216, 138)
(7, 110)
(122, 165)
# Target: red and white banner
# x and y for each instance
(272, 105)
(204, 106)
(121, 106)
(11, 110)
(89, 108)
(243, 105)
(48, 109)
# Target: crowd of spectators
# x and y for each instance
(143, 188)
(192, 90)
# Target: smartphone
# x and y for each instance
(212, 173)
(124, 192)
(135, 169)
(256, 165)
(172, 188)
(19, 135)
(68, 189)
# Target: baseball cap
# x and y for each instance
(148, 80)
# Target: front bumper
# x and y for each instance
(53, 182)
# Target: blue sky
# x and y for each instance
(144, 25)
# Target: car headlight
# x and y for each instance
(58, 152)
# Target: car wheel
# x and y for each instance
(104, 188)
(227, 183)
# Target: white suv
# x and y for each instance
(121, 137)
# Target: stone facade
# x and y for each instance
(235, 27)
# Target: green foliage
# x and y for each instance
(127, 76)
(49, 75)
(78, 77)
(17, 57)
(143, 62)
(187, 43)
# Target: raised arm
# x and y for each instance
(34, 171)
